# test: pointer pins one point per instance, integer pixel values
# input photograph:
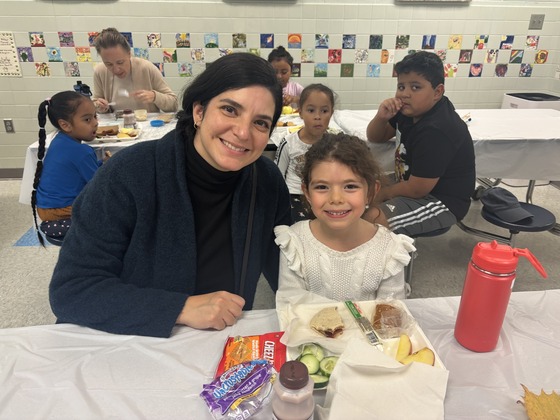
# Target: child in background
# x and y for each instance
(338, 254)
(282, 62)
(317, 107)
(69, 164)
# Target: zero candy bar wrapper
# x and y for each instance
(241, 349)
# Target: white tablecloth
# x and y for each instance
(148, 133)
(66, 371)
(508, 143)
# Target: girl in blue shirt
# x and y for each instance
(69, 164)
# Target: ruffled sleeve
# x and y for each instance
(398, 254)
(291, 247)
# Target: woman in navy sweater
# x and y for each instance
(178, 230)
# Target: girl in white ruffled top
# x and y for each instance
(338, 254)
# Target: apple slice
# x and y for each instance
(425, 355)
(404, 348)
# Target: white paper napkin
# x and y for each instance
(367, 384)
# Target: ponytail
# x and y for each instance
(42, 117)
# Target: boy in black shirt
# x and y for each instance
(434, 158)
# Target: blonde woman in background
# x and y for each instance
(126, 81)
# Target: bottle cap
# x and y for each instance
(502, 259)
(294, 375)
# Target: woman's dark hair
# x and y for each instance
(230, 72)
(347, 150)
(316, 87)
(109, 38)
(61, 106)
(424, 63)
(280, 53)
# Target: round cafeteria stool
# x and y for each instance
(542, 221)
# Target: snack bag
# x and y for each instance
(240, 391)
(241, 349)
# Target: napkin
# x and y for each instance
(367, 384)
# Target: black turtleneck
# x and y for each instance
(211, 193)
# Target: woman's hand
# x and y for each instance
(101, 105)
(212, 310)
(145, 96)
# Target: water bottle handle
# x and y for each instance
(532, 259)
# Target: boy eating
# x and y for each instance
(434, 158)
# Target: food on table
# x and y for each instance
(319, 365)
(542, 406)
(424, 355)
(108, 130)
(327, 322)
(287, 109)
(405, 347)
(387, 315)
(166, 117)
(127, 132)
(285, 124)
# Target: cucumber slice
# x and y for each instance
(314, 349)
(311, 362)
(327, 365)
(320, 381)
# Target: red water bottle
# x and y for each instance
(488, 283)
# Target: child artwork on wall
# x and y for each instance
(225, 51)
(387, 56)
(296, 70)
(185, 69)
(197, 55)
(541, 57)
(53, 53)
(442, 54)
(402, 42)
(348, 42)
(83, 54)
(450, 70)
(307, 56)
(516, 56)
(141, 53)
(42, 69)
(526, 70)
(532, 42)
(25, 54)
(335, 56)
(501, 70)
(373, 70)
(347, 70)
(322, 41)
(183, 40)
(239, 40)
(255, 51)
(465, 56)
(507, 42)
(267, 40)
(375, 42)
(361, 56)
(428, 42)
(211, 40)
(480, 42)
(169, 55)
(491, 56)
(66, 39)
(91, 38)
(37, 39)
(128, 36)
(294, 40)
(161, 68)
(154, 40)
(71, 69)
(475, 70)
(320, 70)
(455, 42)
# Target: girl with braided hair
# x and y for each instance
(69, 163)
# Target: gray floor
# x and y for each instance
(439, 268)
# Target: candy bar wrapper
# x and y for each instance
(241, 349)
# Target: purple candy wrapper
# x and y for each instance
(245, 386)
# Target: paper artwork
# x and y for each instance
(442, 54)
(348, 42)
(465, 56)
(36, 39)
(53, 54)
(335, 56)
(491, 56)
(185, 69)
(91, 38)
(321, 41)
(373, 70)
(141, 53)
(211, 40)
(183, 40)
(161, 68)
(255, 51)
(169, 55)
(197, 55)
(320, 70)
(294, 40)
(154, 40)
(71, 69)
(541, 57)
(375, 42)
(387, 56)
(347, 70)
(507, 42)
(450, 70)
(361, 56)
(526, 70)
(296, 70)
(307, 56)
(9, 64)
(66, 39)
(402, 42)
(42, 69)
(475, 70)
(83, 54)
(532, 42)
(480, 42)
(428, 42)
(455, 42)
(128, 36)
(225, 51)
(267, 40)
(25, 54)
(501, 70)
(239, 40)
(516, 56)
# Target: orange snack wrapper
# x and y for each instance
(241, 349)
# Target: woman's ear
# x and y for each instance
(198, 112)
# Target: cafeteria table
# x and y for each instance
(67, 371)
(147, 133)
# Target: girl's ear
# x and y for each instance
(65, 125)
(305, 191)
(373, 191)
